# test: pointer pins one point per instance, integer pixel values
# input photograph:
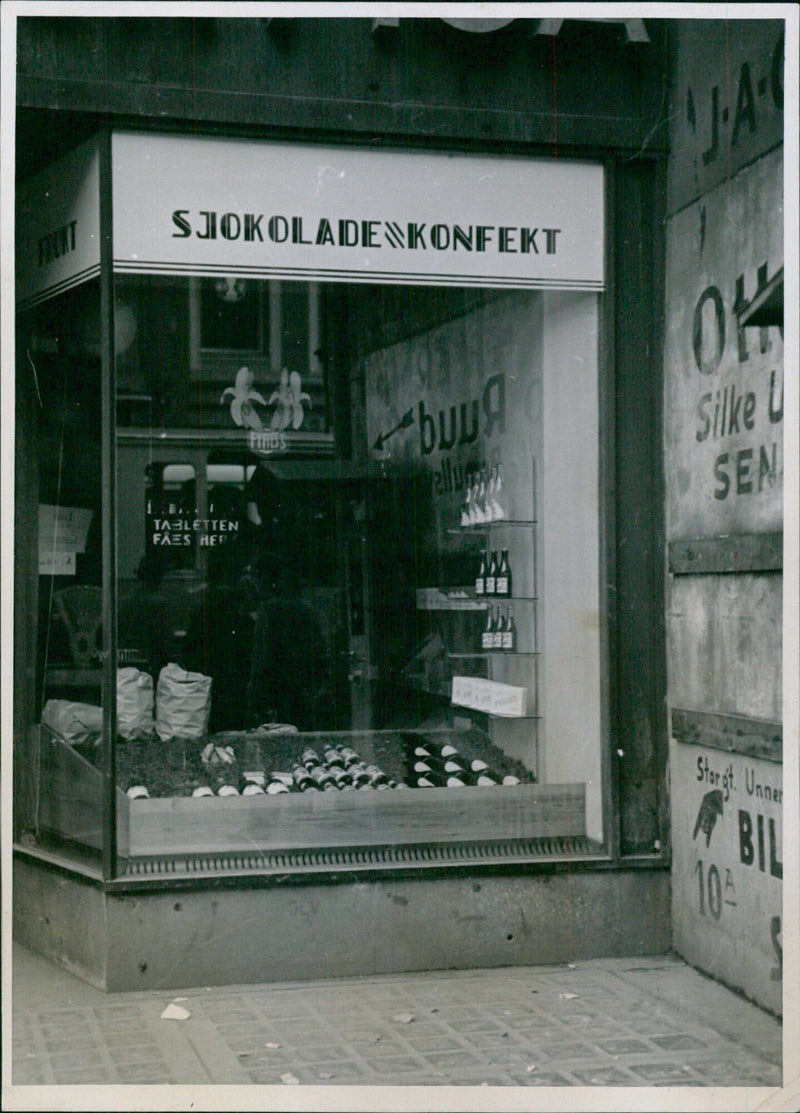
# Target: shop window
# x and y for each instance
(416, 620)
(399, 606)
(387, 642)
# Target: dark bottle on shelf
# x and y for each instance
(499, 630)
(491, 575)
(333, 756)
(510, 634)
(302, 779)
(349, 757)
(487, 635)
(480, 579)
(358, 774)
(310, 758)
(322, 778)
(341, 778)
(376, 775)
(502, 584)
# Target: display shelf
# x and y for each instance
(463, 599)
(448, 599)
(500, 718)
(497, 523)
(508, 598)
(507, 653)
(71, 806)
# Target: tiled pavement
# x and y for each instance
(621, 1022)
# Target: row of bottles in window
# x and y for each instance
(500, 631)
(494, 576)
(485, 499)
(445, 767)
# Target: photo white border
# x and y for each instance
(439, 1098)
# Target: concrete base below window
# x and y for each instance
(222, 936)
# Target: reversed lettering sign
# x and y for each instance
(58, 227)
(464, 395)
(181, 532)
(206, 205)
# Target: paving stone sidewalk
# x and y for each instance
(621, 1022)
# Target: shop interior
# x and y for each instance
(324, 514)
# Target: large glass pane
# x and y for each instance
(58, 689)
(398, 592)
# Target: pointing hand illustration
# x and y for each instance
(710, 808)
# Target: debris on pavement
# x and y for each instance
(175, 1012)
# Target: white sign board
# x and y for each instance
(65, 527)
(56, 562)
(490, 696)
(724, 416)
(58, 227)
(62, 533)
(199, 205)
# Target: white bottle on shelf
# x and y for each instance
(496, 511)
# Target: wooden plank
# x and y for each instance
(244, 80)
(712, 90)
(736, 734)
(71, 805)
(724, 644)
(746, 552)
(185, 825)
(633, 406)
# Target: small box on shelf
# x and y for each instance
(490, 696)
